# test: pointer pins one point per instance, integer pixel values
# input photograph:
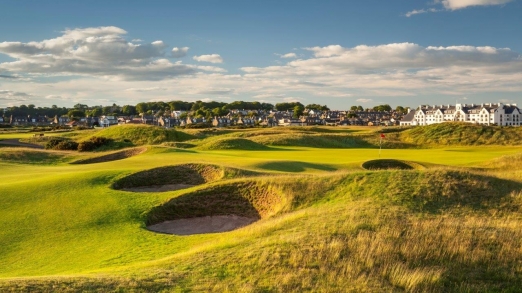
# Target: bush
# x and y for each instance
(51, 144)
(86, 146)
(93, 143)
(67, 145)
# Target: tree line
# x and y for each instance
(197, 109)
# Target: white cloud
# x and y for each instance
(327, 51)
(459, 4)
(179, 52)
(216, 91)
(212, 58)
(333, 73)
(8, 93)
(288, 55)
(9, 97)
(210, 68)
(421, 11)
(364, 100)
(99, 52)
(292, 99)
(402, 69)
(146, 89)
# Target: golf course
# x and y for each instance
(283, 209)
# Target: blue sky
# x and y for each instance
(339, 53)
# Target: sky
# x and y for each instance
(338, 53)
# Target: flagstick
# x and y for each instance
(380, 146)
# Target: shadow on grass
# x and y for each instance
(294, 166)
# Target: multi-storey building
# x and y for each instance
(485, 114)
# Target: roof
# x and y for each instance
(408, 117)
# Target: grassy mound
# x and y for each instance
(312, 140)
(386, 164)
(112, 157)
(231, 144)
(140, 134)
(188, 174)
(247, 199)
(462, 134)
(508, 162)
(14, 155)
(415, 231)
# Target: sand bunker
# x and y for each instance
(162, 188)
(201, 225)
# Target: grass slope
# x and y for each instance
(464, 134)
(331, 228)
(139, 134)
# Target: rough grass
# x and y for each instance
(190, 174)
(231, 144)
(464, 134)
(25, 156)
(139, 134)
(435, 230)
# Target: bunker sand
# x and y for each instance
(202, 225)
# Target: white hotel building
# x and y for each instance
(485, 114)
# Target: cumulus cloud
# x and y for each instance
(101, 52)
(364, 100)
(327, 51)
(179, 52)
(288, 55)
(212, 58)
(459, 4)
(400, 69)
(14, 96)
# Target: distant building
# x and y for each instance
(484, 114)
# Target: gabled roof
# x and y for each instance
(408, 117)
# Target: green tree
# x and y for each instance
(298, 110)
(142, 108)
(128, 110)
(76, 114)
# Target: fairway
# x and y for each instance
(314, 209)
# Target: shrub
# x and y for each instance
(51, 144)
(66, 145)
(86, 146)
(93, 143)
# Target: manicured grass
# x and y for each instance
(325, 223)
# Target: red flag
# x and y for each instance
(382, 135)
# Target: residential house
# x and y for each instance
(106, 121)
(485, 114)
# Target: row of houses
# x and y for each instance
(484, 114)
(262, 118)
